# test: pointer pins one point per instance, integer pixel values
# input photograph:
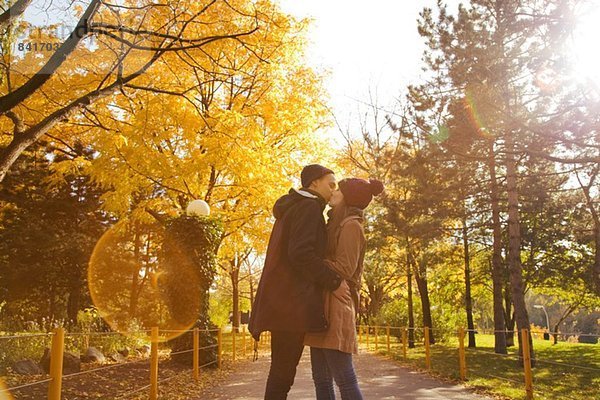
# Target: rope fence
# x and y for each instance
(24, 385)
(232, 345)
(384, 339)
(25, 336)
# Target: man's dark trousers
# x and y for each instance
(286, 350)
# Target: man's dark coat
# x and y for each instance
(290, 293)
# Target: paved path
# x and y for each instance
(378, 377)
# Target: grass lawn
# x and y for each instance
(563, 371)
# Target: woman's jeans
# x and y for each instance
(329, 365)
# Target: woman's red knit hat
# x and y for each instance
(359, 192)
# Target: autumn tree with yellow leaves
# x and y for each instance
(177, 101)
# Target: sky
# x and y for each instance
(369, 50)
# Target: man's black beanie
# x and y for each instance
(312, 172)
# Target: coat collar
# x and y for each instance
(306, 193)
(354, 214)
(311, 194)
(351, 218)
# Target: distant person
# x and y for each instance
(289, 298)
(331, 351)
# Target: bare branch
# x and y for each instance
(196, 43)
(11, 100)
(579, 160)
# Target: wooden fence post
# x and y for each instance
(154, 364)
(368, 337)
(404, 342)
(196, 357)
(527, 363)
(56, 364)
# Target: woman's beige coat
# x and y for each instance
(341, 305)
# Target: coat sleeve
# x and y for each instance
(349, 248)
(302, 247)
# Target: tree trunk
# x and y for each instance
(52, 305)
(468, 299)
(497, 270)
(236, 320)
(234, 274)
(421, 279)
(555, 334)
(565, 315)
(596, 220)
(251, 285)
(411, 313)
(73, 304)
(514, 244)
(251, 294)
(135, 275)
(509, 318)
(376, 296)
(596, 268)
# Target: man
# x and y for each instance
(289, 299)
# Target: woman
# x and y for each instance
(331, 351)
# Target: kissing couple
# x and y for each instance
(308, 293)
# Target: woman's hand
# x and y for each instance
(343, 293)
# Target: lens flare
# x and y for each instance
(4, 395)
(474, 115)
(135, 285)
